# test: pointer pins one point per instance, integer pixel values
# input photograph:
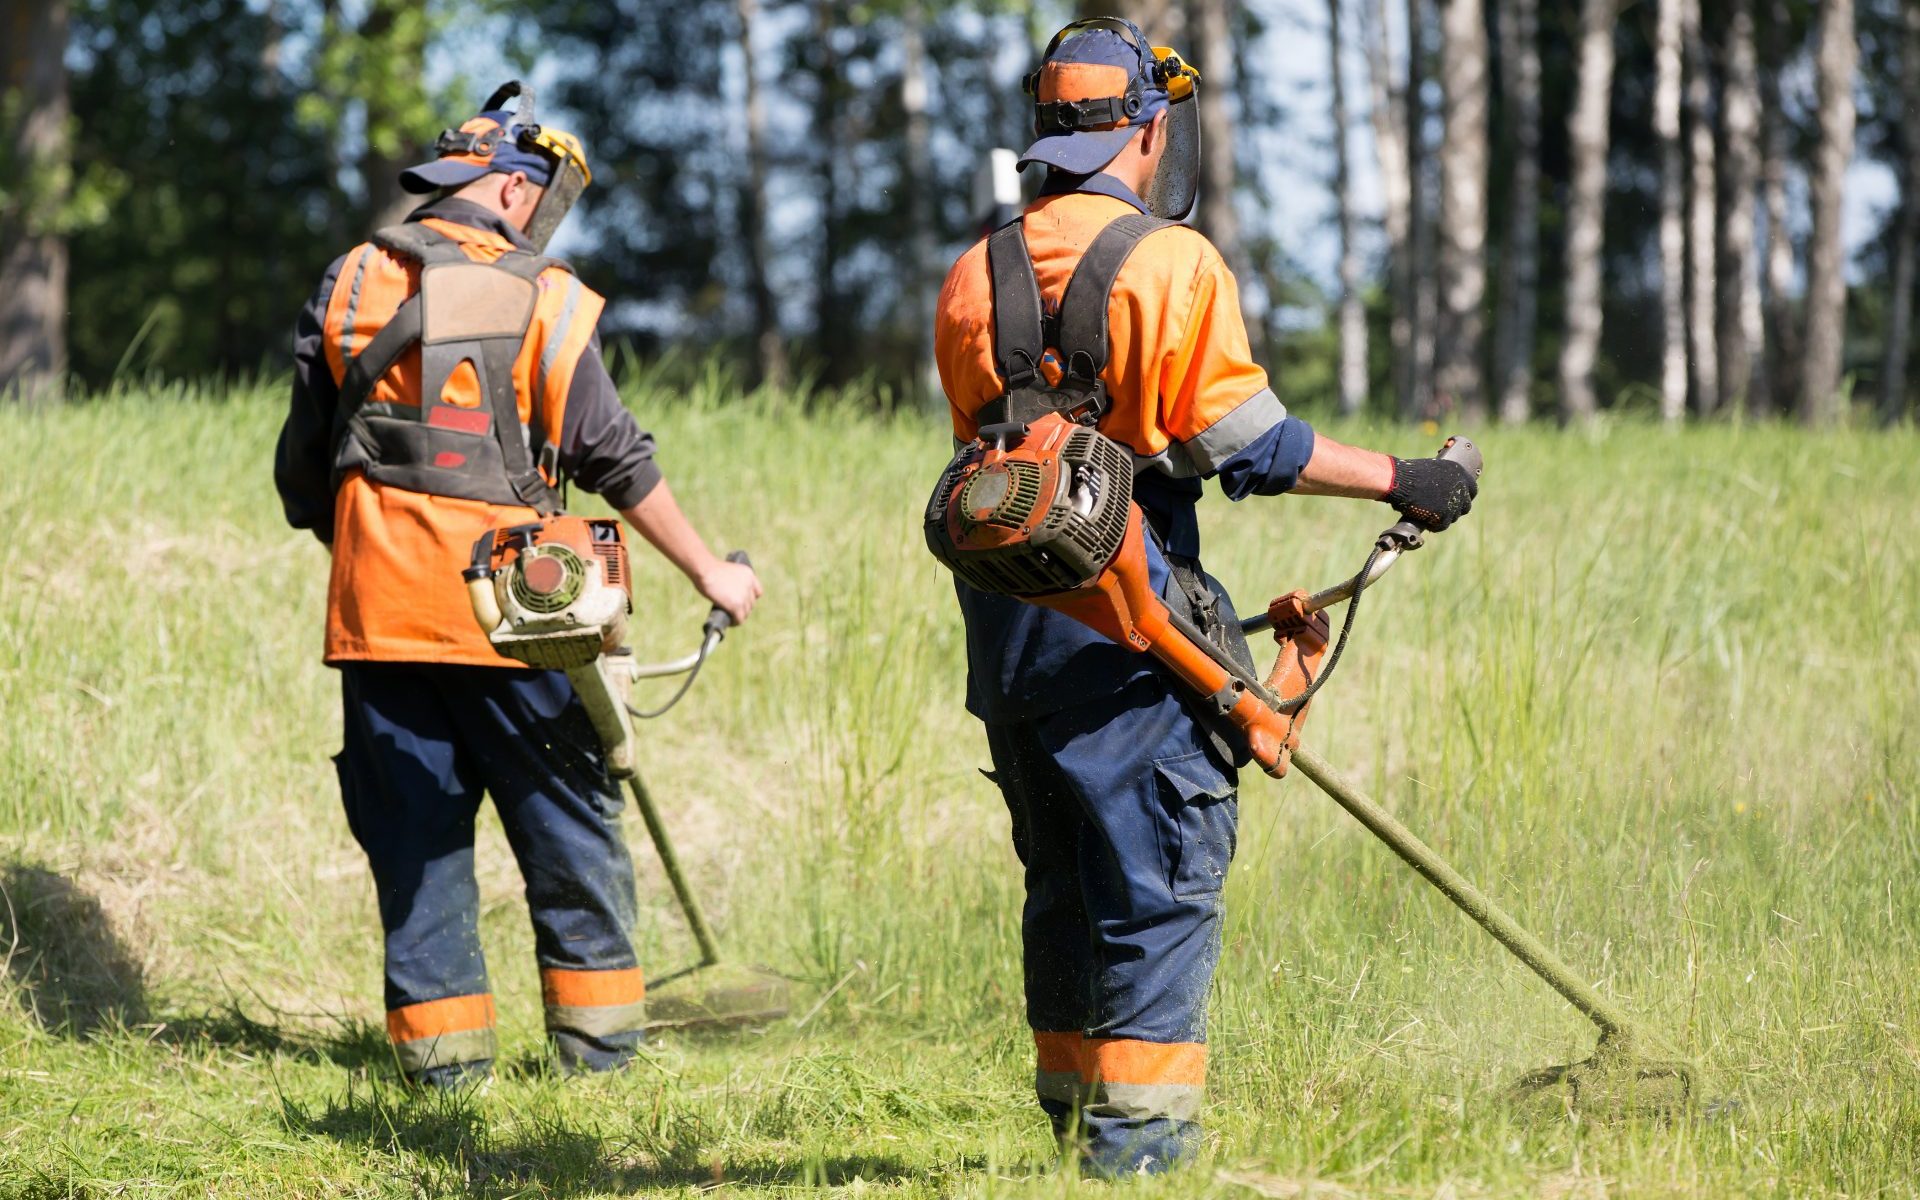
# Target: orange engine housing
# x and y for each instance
(1028, 510)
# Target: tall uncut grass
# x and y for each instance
(1657, 694)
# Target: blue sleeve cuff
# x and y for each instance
(1270, 464)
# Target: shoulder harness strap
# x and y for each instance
(1019, 336)
(1083, 310)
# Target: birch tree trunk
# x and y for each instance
(1673, 235)
(769, 349)
(831, 324)
(1420, 367)
(1216, 215)
(1520, 265)
(1701, 213)
(1741, 332)
(1780, 354)
(1353, 320)
(35, 152)
(1390, 148)
(1586, 209)
(1463, 207)
(921, 287)
(1826, 280)
(1893, 367)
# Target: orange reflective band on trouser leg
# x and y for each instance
(439, 1033)
(1056, 1073)
(1140, 1080)
(594, 1003)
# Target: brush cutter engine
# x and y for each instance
(555, 594)
(1044, 514)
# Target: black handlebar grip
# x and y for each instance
(718, 620)
(1464, 452)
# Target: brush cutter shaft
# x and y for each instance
(1466, 897)
(670, 863)
(1326, 598)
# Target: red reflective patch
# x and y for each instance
(447, 458)
(466, 420)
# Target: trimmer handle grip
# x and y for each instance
(1457, 449)
(718, 619)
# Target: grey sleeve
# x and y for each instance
(602, 448)
(303, 460)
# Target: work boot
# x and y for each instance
(1116, 1150)
(581, 1054)
(452, 1077)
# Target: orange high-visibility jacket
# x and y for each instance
(395, 592)
(1185, 392)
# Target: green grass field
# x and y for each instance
(1658, 694)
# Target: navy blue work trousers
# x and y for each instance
(1125, 820)
(422, 743)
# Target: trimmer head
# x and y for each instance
(717, 996)
(1620, 1081)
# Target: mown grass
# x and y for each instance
(1657, 694)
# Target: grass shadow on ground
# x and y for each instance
(450, 1147)
(355, 1044)
(68, 968)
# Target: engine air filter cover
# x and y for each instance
(1044, 513)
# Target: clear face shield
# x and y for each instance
(1175, 185)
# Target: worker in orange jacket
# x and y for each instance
(1122, 791)
(447, 381)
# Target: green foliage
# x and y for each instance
(40, 198)
(1670, 725)
(218, 228)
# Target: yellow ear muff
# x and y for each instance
(1179, 75)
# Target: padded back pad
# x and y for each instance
(475, 301)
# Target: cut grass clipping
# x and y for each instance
(1656, 696)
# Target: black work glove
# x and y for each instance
(1433, 493)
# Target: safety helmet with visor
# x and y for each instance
(503, 142)
(1098, 84)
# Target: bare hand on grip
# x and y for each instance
(731, 585)
(1433, 493)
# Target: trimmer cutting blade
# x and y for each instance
(714, 993)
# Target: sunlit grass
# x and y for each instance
(1657, 695)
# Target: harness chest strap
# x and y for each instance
(1021, 331)
(465, 312)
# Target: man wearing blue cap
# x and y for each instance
(1120, 786)
(447, 380)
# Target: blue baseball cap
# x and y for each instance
(1094, 91)
(489, 142)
